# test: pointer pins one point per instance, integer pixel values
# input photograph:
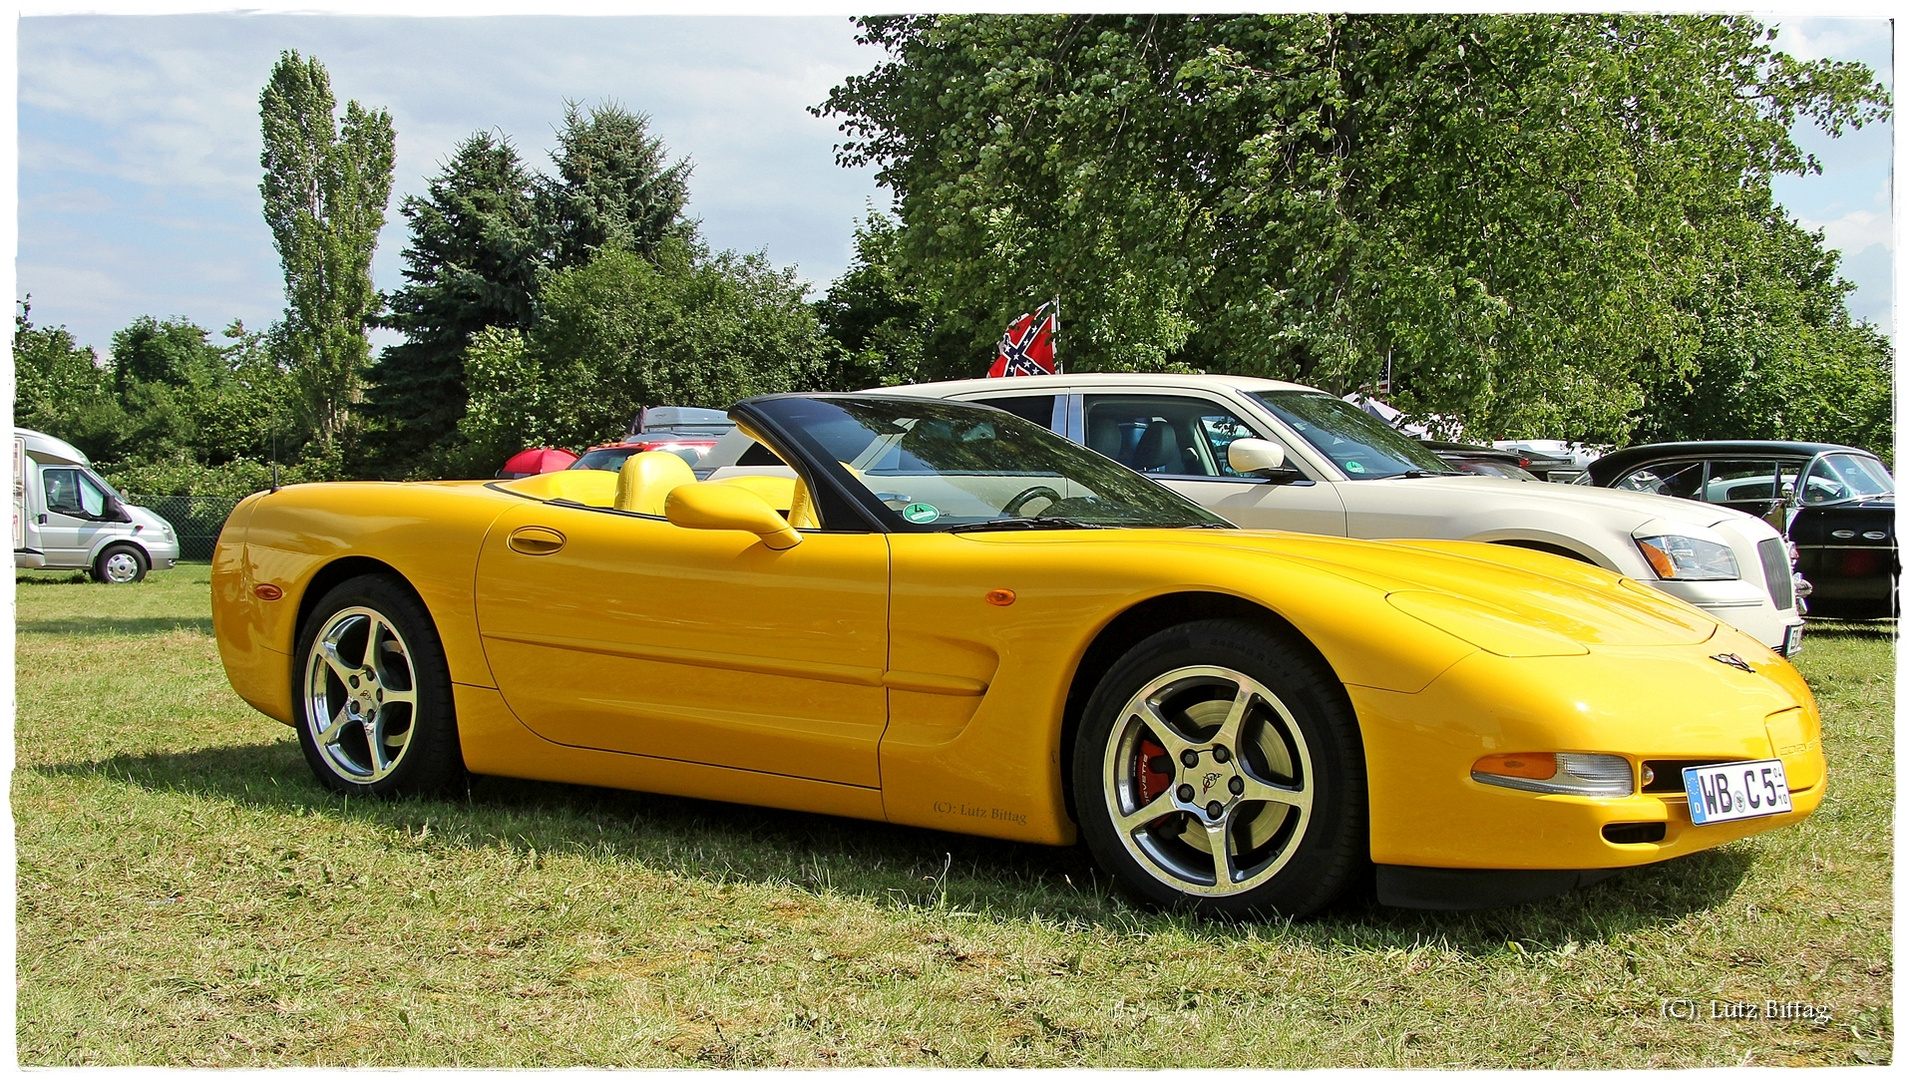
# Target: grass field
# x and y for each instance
(188, 895)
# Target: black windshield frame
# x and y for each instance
(781, 421)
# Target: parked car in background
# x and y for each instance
(688, 433)
(1277, 455)
(1836, 503)
(66, 518)
(537, 459)
(1576, 456)
(1491, 461)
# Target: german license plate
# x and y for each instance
(1741, 789)
(1793, 639)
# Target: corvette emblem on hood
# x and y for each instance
(1733, 660)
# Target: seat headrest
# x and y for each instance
(646, 480)
(1156, 451)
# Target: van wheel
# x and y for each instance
(120, 564)
(373, 693)
(1219, 768)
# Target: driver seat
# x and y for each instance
(646, 480)
(1158, 450)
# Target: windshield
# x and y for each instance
(1363, 446)
(1842, 477)
(938, 465)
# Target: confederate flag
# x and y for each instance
(1028, 346)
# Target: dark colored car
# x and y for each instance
(1836, 503)
(688, 433)
(1490, 461)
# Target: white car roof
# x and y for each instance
(1113, 380)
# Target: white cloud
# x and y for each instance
(1855, 230)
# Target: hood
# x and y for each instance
(146, 518)
(1491, 490)
(1509, 601)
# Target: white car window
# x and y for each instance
(1165, 435)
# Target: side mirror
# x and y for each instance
(1262, 458)
(728, 506)
(116, 511)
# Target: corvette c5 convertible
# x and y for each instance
(938, 614)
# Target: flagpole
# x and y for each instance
(1057, 335)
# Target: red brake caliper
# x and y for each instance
(1153, 770)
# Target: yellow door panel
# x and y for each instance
(632, 634)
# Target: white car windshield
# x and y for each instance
(1363, 446)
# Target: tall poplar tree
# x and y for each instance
(326, 186)
(472, 262)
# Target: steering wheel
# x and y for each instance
(1014, 505)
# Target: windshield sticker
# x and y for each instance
(1353, 466)
(919, 513)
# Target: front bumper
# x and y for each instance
(1662, 703)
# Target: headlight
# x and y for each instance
(1686, 558)
(1602, 775)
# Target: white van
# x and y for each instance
(66, 518)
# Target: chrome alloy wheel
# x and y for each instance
(1208, 781)
(120, 567)
(360, 694)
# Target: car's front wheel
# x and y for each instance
(121, 564)
(373, 693)
(1219, 767)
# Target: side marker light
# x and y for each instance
(1000, 597)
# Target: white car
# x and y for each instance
(1277, 455)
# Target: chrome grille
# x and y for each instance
(1775, 556)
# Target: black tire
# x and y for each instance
(371, 693)
(121, 564)
(1287, 781)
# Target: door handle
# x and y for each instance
(534, 540)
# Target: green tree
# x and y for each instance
(60, 388)
(1778, 356)
(186, 399)
(614, 186)
(472, 262)
(1517, 212)
(325, 188)
(873, 313)
(621, 332)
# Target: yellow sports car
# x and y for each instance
(938, 614)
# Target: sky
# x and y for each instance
(138, 142)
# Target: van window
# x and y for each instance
(71, 492)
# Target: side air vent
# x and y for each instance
(1637, 832)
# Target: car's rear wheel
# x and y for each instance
(1219, 767)
(121, 564)
(373, 693)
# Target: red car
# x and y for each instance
(687, 433)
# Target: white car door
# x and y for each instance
(1180, 439)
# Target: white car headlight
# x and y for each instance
(1686, 558)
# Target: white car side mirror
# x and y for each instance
(1249, 456)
